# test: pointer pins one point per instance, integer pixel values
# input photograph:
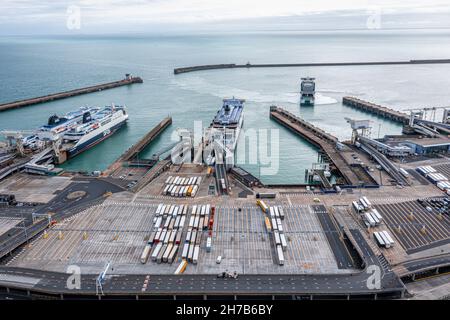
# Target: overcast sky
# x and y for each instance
(42, 16)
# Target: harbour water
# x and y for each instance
(42, 65)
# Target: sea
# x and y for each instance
(40, 65)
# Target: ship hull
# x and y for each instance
(230, 158)
(307, 101)
(94, 140)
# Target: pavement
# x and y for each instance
(62, 207)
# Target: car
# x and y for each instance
(219, 259)
(317, 200)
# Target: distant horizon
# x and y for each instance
(222, 32)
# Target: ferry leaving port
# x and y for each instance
(228, 121)
(307, 92)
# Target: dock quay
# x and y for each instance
(135, 149)
(317, 137)
(153, 173)
(67, 94)
(320, 64)
(376, 109)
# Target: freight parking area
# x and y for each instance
(416, 228)
(118, 233)
(118, 230)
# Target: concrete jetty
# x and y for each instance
(376, 109)
(319, 64)
(135, 149)
(317, 137)
(66, 94)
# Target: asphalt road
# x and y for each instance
(196, 284)
(343, 257)
(427, 263)
(62, 208)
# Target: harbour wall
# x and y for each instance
(71, 93)
(323, 64)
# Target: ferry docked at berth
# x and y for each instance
(228, 123)
(79, 130)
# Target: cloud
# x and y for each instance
(122, 13)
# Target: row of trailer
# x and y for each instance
(200, 220)
(183, 181)
(180, 191)
(424, 170)
(370, 215)
(273, 212)
(373, 218)
(274, 226)
(363, 204)
(437, 178)
(165, 238)
(181, 187)
(383, 239)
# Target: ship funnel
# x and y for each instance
(53, 120)
(86, 117)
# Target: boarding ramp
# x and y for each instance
(323, 179)
(384, 162)
(220, 170)
(39, 162)
(443, 127)
(393, 151)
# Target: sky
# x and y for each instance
(110, 16)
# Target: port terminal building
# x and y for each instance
(418, 144)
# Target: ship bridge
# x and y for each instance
(230, 113)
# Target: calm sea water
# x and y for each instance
(38, 66)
